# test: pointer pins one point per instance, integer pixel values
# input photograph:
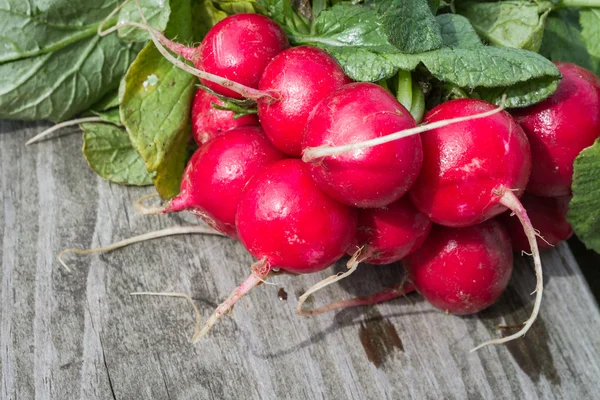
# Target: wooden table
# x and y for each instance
(81, 335)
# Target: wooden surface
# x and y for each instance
(82, 336)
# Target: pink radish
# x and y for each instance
(462, 270)
(373, 177)
(559, 128)
(474, 170)
(302, 76)
(231, 58)
(384, 235)
(209, 122)
(390, 233)
(217, 173)
(470, 165)
(287, 223)
(547, 214)
(238, 48)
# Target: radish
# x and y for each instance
(390, 233)
(547, 214)
(287, 223)
(209, 122)
(473, 171)
(384, 235)
(302, 76)
(462, 270)
(216, 175)
(374, 177)
(231, 58)
(238, 48)
(559, 128)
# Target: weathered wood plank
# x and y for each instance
(81, 336)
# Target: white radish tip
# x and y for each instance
(352, 265)
(175, 230)
(260, 270)
(41, 136)
(182, 295)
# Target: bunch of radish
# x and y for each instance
(330, 167)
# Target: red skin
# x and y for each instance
(373, 177)
(217, 173)
(284, 219)
(239, 48)
(462, 270)
(297, 92)
(547, 214)
(468, 165)
(209, 122)
(390, 233)
(559, 128)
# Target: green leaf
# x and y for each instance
(563, 41)
(457, 31)
(205, 15)
(112, 116)
(60, 84)
(583, 209)
(109, 153)
(590, 33)
(33, 28)
(237, 6)
(155, 106)
(156, 12)
(409, 24)
(488, 66)
(111, 100)
(355, 37)
(517, 24)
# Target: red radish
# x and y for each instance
(474, 170)
(373, 177)
(462, 270)
(239, 48)
(560, 127)
(547, 214)
(390, 233)
(286, 222)
(217, 173)
(231, 58)
(302, 76)
(209, 122)
(466, 165)
(384, 235)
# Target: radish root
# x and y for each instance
(177, 294)
(385, 295)
(511, 201)
(260, 270)
(143, 209)
(160, 41)
(313, 153)
(47, 132)
(176, 230)
(352, 265)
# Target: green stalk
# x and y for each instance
(404, 90)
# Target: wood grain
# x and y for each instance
(82, 336)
